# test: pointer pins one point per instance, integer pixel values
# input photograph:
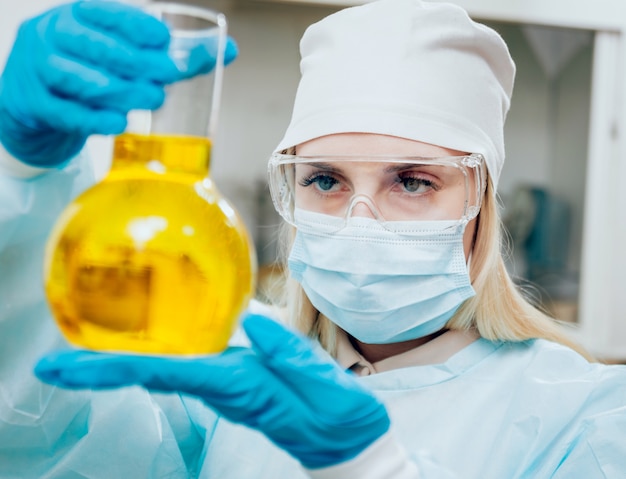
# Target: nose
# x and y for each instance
(361, 209)
(363, 206)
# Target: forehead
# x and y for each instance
(371, 144)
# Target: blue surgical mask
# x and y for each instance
(382, 283)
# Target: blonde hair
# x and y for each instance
(498, 311)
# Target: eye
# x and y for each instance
(321, 181)
(415, 184)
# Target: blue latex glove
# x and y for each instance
(305, 404)
(77, 70)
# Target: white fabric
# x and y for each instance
(11, 166)
(385, 459)
(407, 68)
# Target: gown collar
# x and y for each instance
(440, 359)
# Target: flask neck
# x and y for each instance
(184, 156)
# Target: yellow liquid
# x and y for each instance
(151, 260)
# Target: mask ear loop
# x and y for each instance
(482, 179)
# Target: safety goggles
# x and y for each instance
(389, 189)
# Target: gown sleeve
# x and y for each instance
(598, 449)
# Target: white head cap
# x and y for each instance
(407, 68)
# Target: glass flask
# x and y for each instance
(153, 259)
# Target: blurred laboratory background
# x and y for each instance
(560, 191)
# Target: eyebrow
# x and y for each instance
(393, 168)
(323, 166)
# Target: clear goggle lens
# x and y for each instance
(386, 188)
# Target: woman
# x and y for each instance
(388, 172)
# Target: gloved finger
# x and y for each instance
(231, 52)
(84, 369)
(69, 79)
(130, 23)
(44, 110)
(95, 47)
(338, 405)
(193, 57)
(95, 370)
(76, 118)
(233, 383)
(90, 369)
(106, 49)
(318, 381)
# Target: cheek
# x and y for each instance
(468, 238)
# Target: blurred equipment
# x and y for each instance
(539, 224)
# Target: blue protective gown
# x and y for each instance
(493, 410)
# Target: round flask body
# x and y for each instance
(153, 259)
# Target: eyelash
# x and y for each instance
(313, 177)
(401, 178)
(418, 178)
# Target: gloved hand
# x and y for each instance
(302, 402)
(77, 70)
